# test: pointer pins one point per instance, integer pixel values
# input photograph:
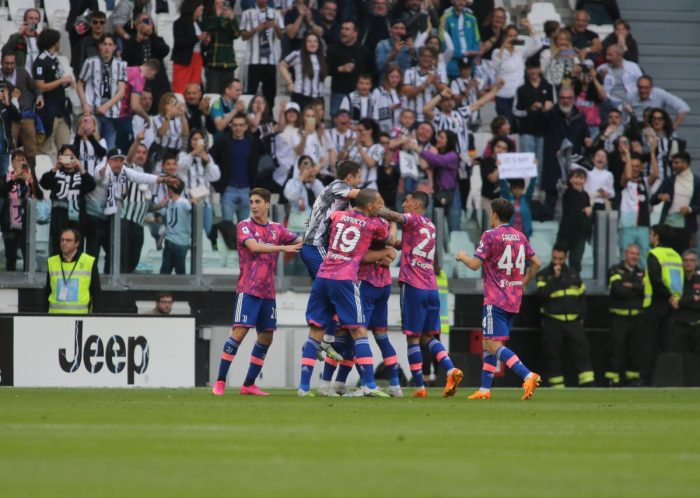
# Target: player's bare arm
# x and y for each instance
(472, 262)
(353, 193)
(535, 265)
(258, 248)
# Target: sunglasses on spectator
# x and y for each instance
(98, 21)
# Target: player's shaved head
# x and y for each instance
(503, 209)
(366, 197)
(421, 198)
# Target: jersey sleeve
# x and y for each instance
(244, 233)
(529, 251)
(484, 250)
(287, 237)
(341, 190)
(381, 231)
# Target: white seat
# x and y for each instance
(4, 14)
(43, 164)
(7, 29)
(602, 30)
(57, 20)
(541, 12)
(54, 6)
(20, 5)
(480, 141)
(459, 241)
(246, 98)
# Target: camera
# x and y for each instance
(65, 160)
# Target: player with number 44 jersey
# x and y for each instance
(420, 301)
(503, 253)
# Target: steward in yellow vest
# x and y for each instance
(72, 280)
(663, 288)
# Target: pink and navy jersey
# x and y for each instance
(257, 277)
(376, 274)
(504, 252)
(351, 235)
(418, 252)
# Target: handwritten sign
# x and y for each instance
(517, 165)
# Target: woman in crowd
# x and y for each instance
(264, 127)
(15, 188)
(488, 166)
(367, 151)
(283, 144)
(492, 33)
(445, 165)
(590, 95)
(189, 44)
(387, 100)
(558, 61)
(68, 183)
(661, 127)
(509, 64)
(301, 192)
(310, 70)
(198, 170)
(171, 128)
(500, 128)
(312, 141)
(87, 142)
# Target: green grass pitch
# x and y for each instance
(185, 442)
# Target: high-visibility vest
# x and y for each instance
(671, 273)
(80, 271)
(444, 293)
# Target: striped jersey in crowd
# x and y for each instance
(261, 46)
(457, 121)
(173, 138)
(309, 87)
(101, 81)
(386, 108)
(136, 200)
(414, 77)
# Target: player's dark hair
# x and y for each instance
(105, 36)
(421, 197)
(665, 234)
(560, 248)
(346, 168)
(578, 172)
(169, 156)
(503, 208)
(261, 192)
(47, 39)
(365, 196)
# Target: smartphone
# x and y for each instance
(518, 42)
(311, 122)
(404, 38)
(65, 160)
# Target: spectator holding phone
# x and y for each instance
(24, 43)
(398, 49)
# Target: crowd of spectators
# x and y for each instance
(408, 81)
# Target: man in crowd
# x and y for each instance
(72, 279)
(581, 37)
(101, 87)
(346, 62)
(327, 18)
(413, 16)
(221, 59)
(196, 107)
(619, 75)
(647, 95)
(89, 45)
(460, 25)
(24, 43)
(683, 333)
(164, 304)
(397, 49)
(376, 25)
(223, 110)
(17, 77)
(422, 82)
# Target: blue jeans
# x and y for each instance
(174, 257)
(533, 143)
(454, 213)
(207, 218)
(235, 200)
(634, 235)
(125, 134)
(504, 107)
(108, 130)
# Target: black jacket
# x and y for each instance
(556, 127)
(339, 55)
(624, 297)
(221, 155)
(185, 39)
(660, 293)
(688, 308)
(529, 122)
(8, 114)
(562, 297)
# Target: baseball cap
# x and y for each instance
(292, 106)
(115, 153)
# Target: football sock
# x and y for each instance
(440, 353)
(363, 353)
(257, 358)
(415, 363)
(227, 356)
(348, 353)
(308, 361)
(512, 361)
(391, 361)
(487, 370)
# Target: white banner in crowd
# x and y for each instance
(86, 351)
(517, 165)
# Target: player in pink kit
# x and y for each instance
(336, 291)
(420, 301)
(503, 252)
(259, 243)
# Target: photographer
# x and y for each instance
(397, 49)
(24, 43)
(68, 183)
(15, 188)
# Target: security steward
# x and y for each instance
(626, 287)
(72, 280)
(663, 287)
(684, 330)
(563, 307)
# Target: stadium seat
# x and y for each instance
(541, 12)
(43, 164)
(213, 97)
(459, 241)
(7, 28)
(602, 30)
(54, 6)
(480, 141)
(20, 5)
(4, 14)
(57, 20)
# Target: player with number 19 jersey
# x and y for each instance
(504, 252)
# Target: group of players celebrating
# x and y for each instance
(347, 251)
